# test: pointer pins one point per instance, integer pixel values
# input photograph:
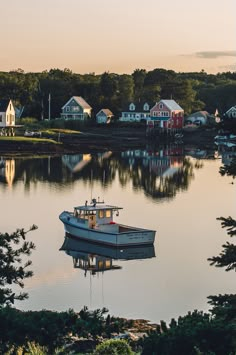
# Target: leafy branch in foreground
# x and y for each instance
(227, 257)
(13, 270)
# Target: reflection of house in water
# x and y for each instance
(227, 152)
(76, 162)
(198, 153)
(103, 156)
(96, 258)
(164, 162)
(7, 171)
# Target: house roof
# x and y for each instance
(231, 109)
(4, 105)
(106, 111)
(138, 106)
(80, 102)
(171, 104)
(199, 113)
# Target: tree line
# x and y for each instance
(193, 91)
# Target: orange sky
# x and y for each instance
(118, 36)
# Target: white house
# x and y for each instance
(7, 114)
(76, 109)
(135, 112)
(104, 116)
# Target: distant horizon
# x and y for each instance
(113, 72)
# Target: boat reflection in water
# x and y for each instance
(95, 258)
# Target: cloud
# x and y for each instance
(215, 54)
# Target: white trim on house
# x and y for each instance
(76, 109)
(7, 116)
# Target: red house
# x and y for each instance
(167, 114)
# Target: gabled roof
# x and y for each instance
(80, 101)
(4, 105)
(106, 111)
(171, 104)
(231, 109)
(199, 113)
(138, 106)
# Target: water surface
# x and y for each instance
(175, 191)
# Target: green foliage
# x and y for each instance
(27, 121)
(227, 257)
(53, 329)
(13, 248)
(224, 307)
(113, 347)
(193, 91)
(197, 332)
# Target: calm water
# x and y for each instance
(178, 192)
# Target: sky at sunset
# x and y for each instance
(118, 36)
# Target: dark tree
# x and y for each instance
(13, 248)
(227, 257)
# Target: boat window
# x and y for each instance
(101, 214)
(108, 213)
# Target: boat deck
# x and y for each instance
(124, 229)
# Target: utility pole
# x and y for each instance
(49, 106)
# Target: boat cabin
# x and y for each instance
(96, 214)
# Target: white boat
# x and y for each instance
(94, 222)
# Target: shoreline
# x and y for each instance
(115, 141)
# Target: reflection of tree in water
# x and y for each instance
(229, 169)
(157, 186)
(158, 175)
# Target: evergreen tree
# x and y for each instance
(13, 247)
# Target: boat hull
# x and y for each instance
(130, 235)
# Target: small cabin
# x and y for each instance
(104, 116)
(97, 215)
(7, 117)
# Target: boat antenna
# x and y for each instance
(103, 182)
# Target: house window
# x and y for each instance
(75, 108)
(155, 113)
(67, 108)
(0, 118)
(132, 107)
(160, 106)
(146, 107)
